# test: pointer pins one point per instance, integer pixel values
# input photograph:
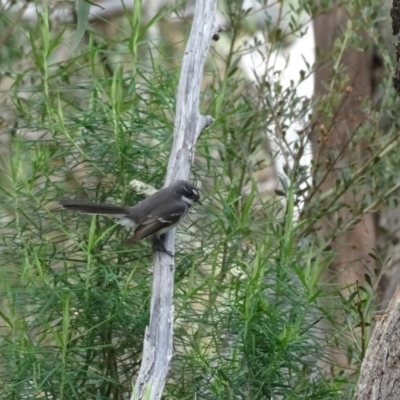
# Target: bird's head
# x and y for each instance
(186, 192)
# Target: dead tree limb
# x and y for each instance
(380, 370)
(189, 123)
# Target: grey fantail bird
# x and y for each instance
(153, 216)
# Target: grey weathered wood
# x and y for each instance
(189, 123)
(380, 370)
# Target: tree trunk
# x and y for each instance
(380, 370)
(332, 152)
(352, 249)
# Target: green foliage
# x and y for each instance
(74, 301)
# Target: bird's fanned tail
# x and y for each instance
(95, 208)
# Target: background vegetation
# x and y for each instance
(254, 318)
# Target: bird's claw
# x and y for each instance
(158, 245)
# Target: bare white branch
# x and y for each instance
(189, 123)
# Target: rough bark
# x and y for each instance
(390, 219)
(189, 123)
(380, 370)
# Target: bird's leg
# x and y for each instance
(158, 245)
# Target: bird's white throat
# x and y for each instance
(187, 200)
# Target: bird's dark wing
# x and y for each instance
(159, 221)
(149, 205)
